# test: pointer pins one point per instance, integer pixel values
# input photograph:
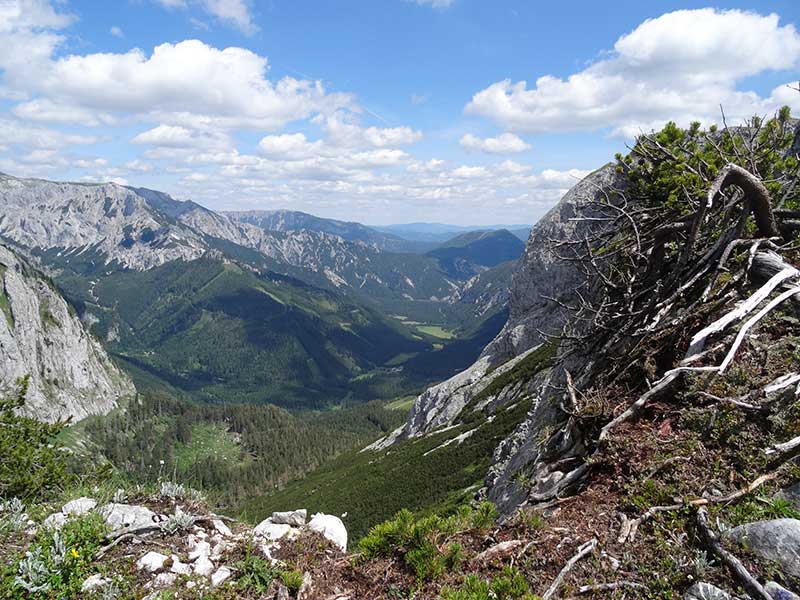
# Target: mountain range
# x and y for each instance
(280, 307)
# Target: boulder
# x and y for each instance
(282, 593)
(775, 540)
(220, 576)
(306, 588)
(218, 550)
(119, 516)
(152, 562)
(706, 591)
(178, 567)
(55, 521)
(79, 506)
(164, 580)
(295, 518)
(200, 549)
(94, 582)
(203, 566)
(790, 494)
(270, 530)
(778, 592)
(221, 528)
(331, 528)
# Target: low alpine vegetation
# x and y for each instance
(511, 585)
(426, 543)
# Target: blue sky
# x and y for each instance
(383, 111)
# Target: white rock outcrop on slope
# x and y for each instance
(331, 528)
(119, 516)
(40, 336)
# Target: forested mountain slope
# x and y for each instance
(194, 302)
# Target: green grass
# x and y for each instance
(405, 403)
(209, 440)
(436, 331)
(400, 359)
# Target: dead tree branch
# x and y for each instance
(583, 551)
(743, 576)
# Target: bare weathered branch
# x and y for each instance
(583, 551)
(743, 576)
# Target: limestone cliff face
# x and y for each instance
(70, 373)
(110, 219)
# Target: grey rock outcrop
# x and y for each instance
(777, 540)
(295, 518)
(70, 373)
(779, 592)
(108, 219)
(706, 591)
(119, 516)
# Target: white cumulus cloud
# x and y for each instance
(680, 66)
(506, 143)
(232, 12)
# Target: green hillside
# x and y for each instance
(219, 332)
(467, 254)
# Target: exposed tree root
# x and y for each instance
(583, 551)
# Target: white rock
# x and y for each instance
(220, 576)
(222, 528)
(94, 582)
(266, 550)
(218, 550)
(152, 561)
(191, 585)
(163, 580)
(295, 518)
(119, 516)
(79, 506)
(201, 549)
(55, 521)
(271, 531)
(331, 528)
(178, 567)
(203, 566)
